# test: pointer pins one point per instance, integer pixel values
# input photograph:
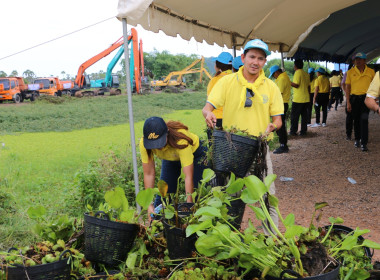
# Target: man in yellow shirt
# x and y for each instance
(312, 78)
(321, 97)
(283, 83)
(357, 83)
(249, 99)
(336, 91)
(301, 82)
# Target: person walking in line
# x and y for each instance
(178, 148)
(313, 77)
(283, 82)
(349, 119)
(301, 82)
(251, 101)
(336, 91)
(236, 64)
(321, 97)
(358, 80)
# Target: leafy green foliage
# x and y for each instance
(59, 227)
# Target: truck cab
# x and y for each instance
(12, 89)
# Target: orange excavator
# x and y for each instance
(82, 81)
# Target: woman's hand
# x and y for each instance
(150, 212)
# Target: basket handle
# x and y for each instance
(63, 254)
(19, 251)
(291, 272)
(103, 214)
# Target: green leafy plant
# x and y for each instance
(53, 229)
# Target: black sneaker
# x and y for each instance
(293, 134)
(348, 138)
(364, 148)
(281, 149)
(357, 144)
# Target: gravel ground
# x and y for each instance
(320, 164)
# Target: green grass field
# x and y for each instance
(39, 168)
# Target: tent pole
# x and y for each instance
(131, 122)
(282, 61)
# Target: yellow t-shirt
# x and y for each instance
(301, 94)
(217, 112)
(169, 153)
(335, 81)
(312, 85)
(323, 84)
(283, 83)
(255, 119)
(359, 81)
(374, 87)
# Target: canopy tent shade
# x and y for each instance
(345, 32)
(280, 23)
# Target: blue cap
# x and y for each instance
(311, 70)
(360, 55)
(257, 44)
(273, 69)
(236, 62)
(321, 70)
(224, 57)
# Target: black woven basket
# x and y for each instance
(233, 153)
(346, 230)
(332, 275)
(59, 270)
(106, 241)
(179, 246)
(236, 211)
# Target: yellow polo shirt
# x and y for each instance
(169, 153)
(301, 94)
(255, 119)
(312, 85)
(217, 112)
(359, 81)
(335, 81)
(374, 87)
(283, 83)
(323, 84)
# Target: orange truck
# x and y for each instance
(54, 86)
(14, 89)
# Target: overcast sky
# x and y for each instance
(27, 23)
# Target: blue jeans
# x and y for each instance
(171, 170)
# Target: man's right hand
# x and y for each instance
(210, 119)
(348, 107)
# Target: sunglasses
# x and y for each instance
(248, 100)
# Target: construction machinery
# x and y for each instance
(175, 78)
(53, 86)
(14, 89)
(82, 81)
(111, 81)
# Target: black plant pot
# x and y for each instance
(106, 241)
(179, 246)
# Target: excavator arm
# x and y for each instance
(79, 80)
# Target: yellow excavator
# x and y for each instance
(175, 78)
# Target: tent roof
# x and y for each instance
(315, 30)
(345, 32)
(277, 22)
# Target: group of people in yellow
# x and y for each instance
(241, 96)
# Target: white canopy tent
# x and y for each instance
(282, 24)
